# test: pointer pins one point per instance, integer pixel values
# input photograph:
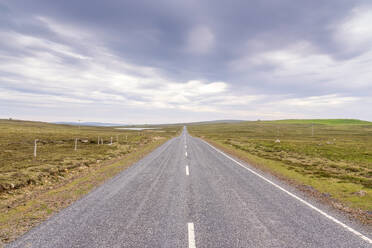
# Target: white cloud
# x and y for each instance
(34, 43)
(319, 101)
(354, 33)
(41, 75)
(64, 30)
(98, 80)
(301, 63)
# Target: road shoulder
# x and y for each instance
(41, 202)
(361, 217)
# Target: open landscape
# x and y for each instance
(61, 173)
(185, 124)
(333, 157)
(328, 159)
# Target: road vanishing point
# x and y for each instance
(187, 193)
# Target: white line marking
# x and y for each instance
(186, 154)
(187, 170)
(296, 197)
(190, 227)
(185, 146)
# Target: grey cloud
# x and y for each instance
(155, 34)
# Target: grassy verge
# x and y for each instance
(31, 190)
(56, 155)
(334, 164)
(46, 200)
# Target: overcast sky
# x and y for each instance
(178, 61)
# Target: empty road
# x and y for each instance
(188, 194)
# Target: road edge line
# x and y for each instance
(365, 238)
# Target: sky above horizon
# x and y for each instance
(171, 61)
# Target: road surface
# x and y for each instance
(188, 194)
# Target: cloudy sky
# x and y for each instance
(176, 61)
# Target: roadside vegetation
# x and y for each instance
(330, 157)
(33, 188)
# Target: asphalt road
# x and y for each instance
(187, 194)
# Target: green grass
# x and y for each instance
(336, 160)
(56, 156)
(323, 121)
(33, 189)
(40, 201)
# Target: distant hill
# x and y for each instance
(96, 124)
(324, 121)
(188, 123)
(210, 122)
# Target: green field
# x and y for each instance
(331, 156)
(56, 154)
(32, 189)
(323, 121)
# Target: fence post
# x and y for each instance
(111, 141)
(98, 140)
(75, 144)
(35, 148)
(312, 130)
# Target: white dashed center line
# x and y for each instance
(187, 170)
(186, 154)
(190, 227)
